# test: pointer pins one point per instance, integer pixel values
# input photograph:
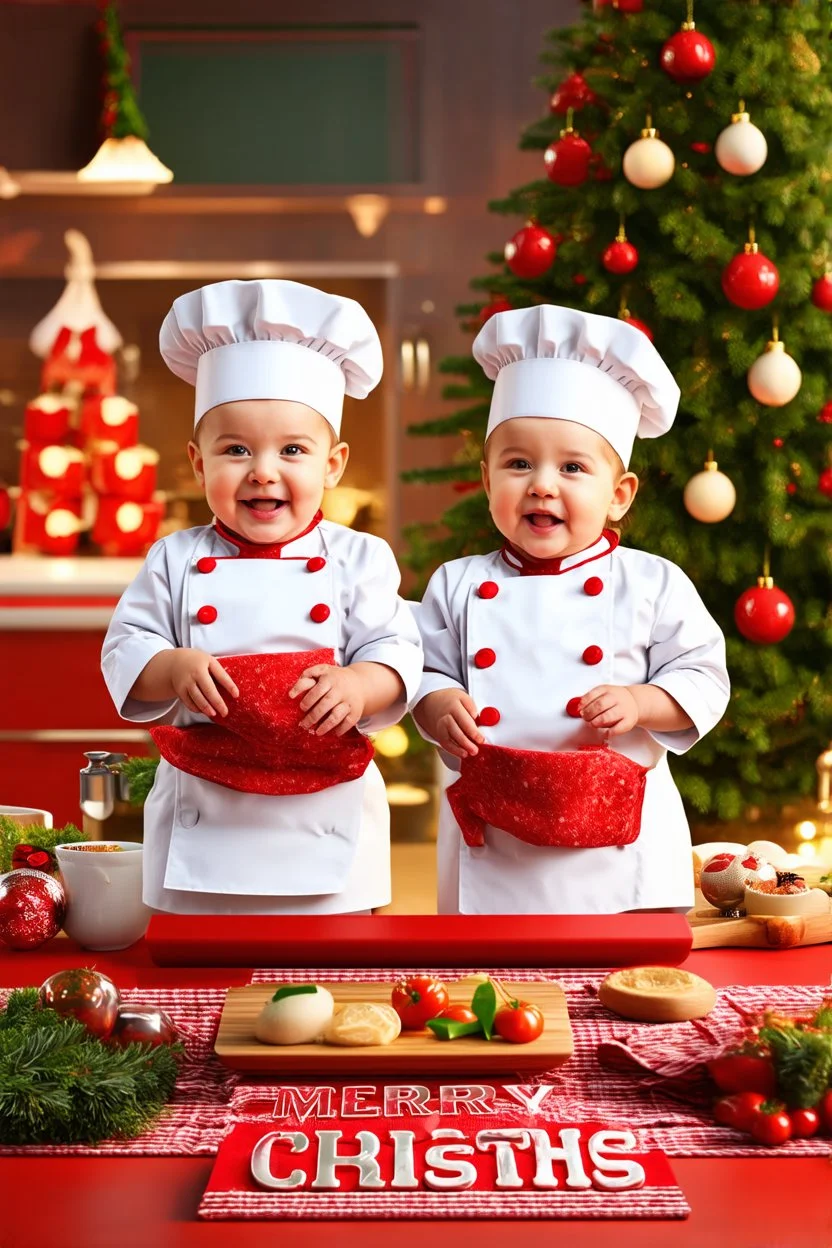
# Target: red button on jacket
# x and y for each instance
(319, 613)
(207, 615)
(593, 586)
(488, 717)
(485, 657)
(573, 708)
(206, 564)
(315, 564)
(592, 655)
(488, 589)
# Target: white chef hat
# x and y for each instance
(271, 340)
(568, 365)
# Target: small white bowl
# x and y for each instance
(813, 901)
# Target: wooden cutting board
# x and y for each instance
(412, 1053)
(756, 931)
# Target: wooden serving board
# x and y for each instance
(412, 1053)
(756, 931)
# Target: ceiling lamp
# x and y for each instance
(125, 160)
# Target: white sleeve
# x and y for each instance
(380, 628)
(440, 637)
(142, 626)
(686, 658)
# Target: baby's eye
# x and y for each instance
(573, 468)
(236, 450)
(292, 449)
(519, 463)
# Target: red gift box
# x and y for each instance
(47, 419)
(56, 469)
(124, 473)
(125, 528)
(110, 419)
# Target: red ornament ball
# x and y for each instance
(30, 856)
(701, 149)
(32, 908)
(567, 160)
(88, 996)
(637, 324)
(491, 309)
(620, 257)
(530, 252)
(750, 280)
(764, 614)
(825, 482)
(688, 56)
(629, 6)
(822, 293)
(825, 414)
(574, 92)
(141, 1024)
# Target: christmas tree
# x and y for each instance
(685, 183)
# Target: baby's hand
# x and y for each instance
(195, 677)
(334, 698)
(449, 716)
(610, 707)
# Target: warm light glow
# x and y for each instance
(805, 830)
(8, 187)
(392, 742)
(61, 523)
(49, 403)
(435, 205)
(406, 795)
(807, 851)
(115, 410)
(129, 517)
(128, 464)
(368, 212)
(53, 461)
(125, 160)
(342, 504)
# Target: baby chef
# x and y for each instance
(254, 809)
(562, 668)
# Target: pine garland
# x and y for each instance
(140, 774)
(60, 1085)
(13, 834)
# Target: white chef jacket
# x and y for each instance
(211, 849)
(608, 616)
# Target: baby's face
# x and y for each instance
(552, 485)
(264, 465)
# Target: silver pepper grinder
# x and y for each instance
(98, 786)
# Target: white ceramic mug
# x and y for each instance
(104, 894)
(25, 815)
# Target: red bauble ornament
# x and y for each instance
(825, 482)
(688, 56)
(822, 293)
(764, 615)
(825, 414)
(702, 149)
(628, 6)
(574, 92)
(750, 280)
(567, 160)
(32, 908)
(620, 257)
(637, 324)
(531, 251)
(32, 857)
(142, 1024)
(491, 309)
(87, 995)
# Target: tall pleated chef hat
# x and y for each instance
(271, 340)
(597, 371)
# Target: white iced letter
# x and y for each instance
(630, 1173)
(460, 1174)
(329, 1158)
(261, 1156)
(502, 1139)
(570, 1152)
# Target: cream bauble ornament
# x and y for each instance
(774, 378)
(648, 163)
(741, 148)
(710, 495)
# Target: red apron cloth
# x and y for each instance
(580, 799)
(258, 747)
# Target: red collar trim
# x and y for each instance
(526, 566)
(261, 550)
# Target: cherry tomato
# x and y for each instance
(747, 1069)
(459, 1014)
(519, 1023)
(805, 1122)
(87, 995)
(418, 998)
(771, 1125)
(737, 1111)
(825, 1110)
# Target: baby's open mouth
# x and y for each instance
(264, 504)
(542, 519)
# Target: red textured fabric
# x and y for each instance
(259, 747)
(580, 799)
